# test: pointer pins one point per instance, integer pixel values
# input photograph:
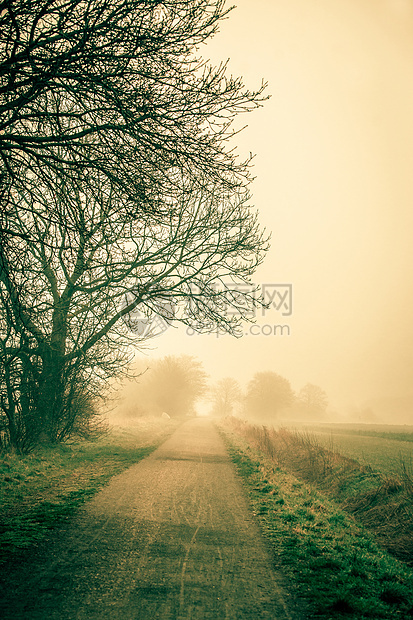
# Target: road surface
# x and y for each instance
(171, 538)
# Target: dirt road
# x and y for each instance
(172, 538)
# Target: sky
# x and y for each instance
(334, 185)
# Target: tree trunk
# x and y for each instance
(51, 400)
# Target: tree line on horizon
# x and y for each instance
(177, 385)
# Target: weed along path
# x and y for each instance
(171, 538)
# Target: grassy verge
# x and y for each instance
(43, 490)
(381, 502)
(331, 561)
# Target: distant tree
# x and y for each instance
(225, 395)
(312, 400)
(117, 191)
(268, 393)
(177, 383)
(172, 384)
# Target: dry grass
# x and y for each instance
(329, 561)
(380, 502)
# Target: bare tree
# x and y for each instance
(69, 288)
(170, 385)
(225, 395)
(115, 88)
(312, 401)
(117, 191)
(268, 393)
(175, 384)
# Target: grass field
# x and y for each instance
(40, 491)
(330, 559)
(386, 448)
(376, 496)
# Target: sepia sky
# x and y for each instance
(334, 184)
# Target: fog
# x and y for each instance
(333, 167)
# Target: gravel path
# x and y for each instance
(171, 538)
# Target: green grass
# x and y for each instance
(382, 451)
(385, 431)
(381, 502)
(45, 489)
(330, 561)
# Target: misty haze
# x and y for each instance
(206, 352)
